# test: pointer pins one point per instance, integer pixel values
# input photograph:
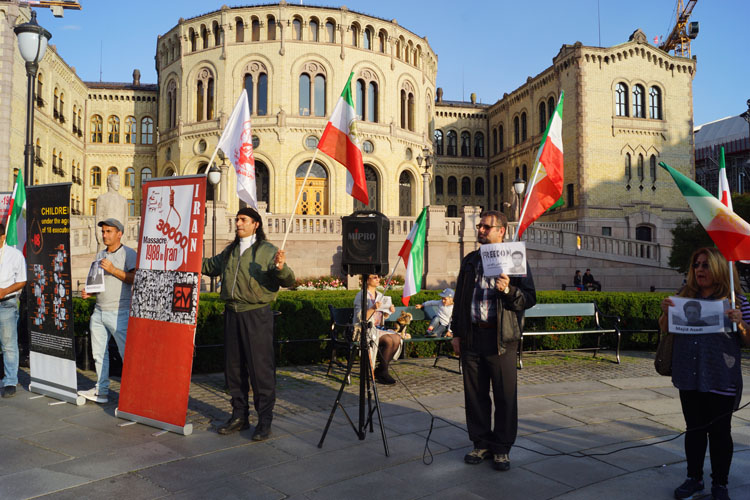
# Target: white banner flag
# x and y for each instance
(237, 143)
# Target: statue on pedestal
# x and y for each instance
(111, 204)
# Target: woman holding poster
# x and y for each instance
(706, 369)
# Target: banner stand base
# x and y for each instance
(76, 400)
(185, 430)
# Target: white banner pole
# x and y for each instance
(299, 197)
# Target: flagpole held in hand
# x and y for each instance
(388, 280)
(299, 197)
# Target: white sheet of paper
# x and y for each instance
(697, 316)
(504, 258)
(95, 278)
(385, 304)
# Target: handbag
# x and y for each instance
(663, 357)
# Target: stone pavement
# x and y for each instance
(569, 405)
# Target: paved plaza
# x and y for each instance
(570, 405)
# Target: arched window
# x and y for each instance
(312, 91)
(654, 103)
(628, 168)
(305, 99)
(239, 30)
(204, 36)
(313, 30)
(96, 128)
(438, 139)
(262, 182)
(382, 37)
(367, 39)
(465, 186)
(113, 130)
(355, 34)
(39, 85)
(255, 29)
(405, 194)
(145, 175)
(465, 144)
(543, 116)
(54, 160)
(130, 130)
(652, 168)
(319, 102)
(518, 172)
(500, 138)
(92, 206)
(217, 33)
(61, 107)
(550, 107)
(638, 109)
(621, 100)
(147, 130)
(193, 38)
(256, 85)
(643, 233)
(494, 141)
(640, 168)
(315, 193)
(502, 185)
(479, 186)
(297, 29)
(80, 128)
(524, 172)
(438, 185)
(271, 28)
(452, 143)
(129, 177)
(54, 103)
(172, 104)
(452, 186)
(204, 96)
(373, 191)
(523, 127)
(372, 101)
(96, 176)
(359, 99)
(479, 145)
(330, 31)
(516, 131)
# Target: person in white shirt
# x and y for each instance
(440, 326)
(12, 281)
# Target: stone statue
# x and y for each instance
(111, 204)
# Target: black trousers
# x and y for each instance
(250, 361)
(484, 367)
(709, 416)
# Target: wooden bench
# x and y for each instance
(427, 314)
(582, 310)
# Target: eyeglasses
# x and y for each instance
(698, 265)
(485, 227)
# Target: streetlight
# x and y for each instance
(518, 186)
(32, 43)
(214, 176)
(427, 159)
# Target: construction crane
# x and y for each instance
(679, 39)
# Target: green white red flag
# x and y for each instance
(546, 185)
(729, 231)
(340, 142)
(724, 194)
(15, 229)
(412, 251)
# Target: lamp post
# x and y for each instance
(425, 157)
(32, 43)
(214, 177)
(518, 186)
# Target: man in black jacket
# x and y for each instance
(486, 324)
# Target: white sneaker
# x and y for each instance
(93, 395)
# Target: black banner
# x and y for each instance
(48, 269)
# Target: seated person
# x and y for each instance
(440, 324)
(590, 283)
(578, 280)
(386, 341)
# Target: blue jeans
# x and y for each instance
(438, 330)
(102, 325)
(9, 340)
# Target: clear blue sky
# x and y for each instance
(488, 47)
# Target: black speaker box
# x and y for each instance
(365, 243)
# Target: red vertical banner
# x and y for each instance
(163, 311)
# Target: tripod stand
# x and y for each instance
(366, 382)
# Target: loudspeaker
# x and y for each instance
(365, 243)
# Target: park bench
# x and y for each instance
(579, 310)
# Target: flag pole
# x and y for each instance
(299, 197)
(388, 280)
(731, 288)
(526, 200)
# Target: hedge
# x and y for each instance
(304, 323)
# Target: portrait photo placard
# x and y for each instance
(697, 316)
(504, 258)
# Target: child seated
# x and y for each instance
(440, 324)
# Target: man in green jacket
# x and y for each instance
(252, 270)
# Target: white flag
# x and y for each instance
(237, 143)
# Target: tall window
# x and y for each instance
(297, 29)
(404, 194)
(652, 168)
(465, 144)
(524, 172)
(438, 142)
(256, 85)
(372, 101)
(524, 128)
(438, 185)
(452, 143)
(96, 128)
(500, 138)
(239, 30)
(131, 208)
(55, 95)
(313, 30)
(367, 39)
(640, 168)
(543, 117)
(96, 176)
(407, 106)
(171, 104)
(204, 37)
(113, 130)
(628, 168)
(130, 130)
(551, 106)
(255, 30)
(571, 195)
(516, 131)
(92, 207)
(452, 186)
(638, 109)
(271, 28)
(305, 99)
(355, 35)
(479, 186)
(312, 92)
(465, 186)
(494, 141)
(193, 40)
(330, 32)
(360, 99)
(39, 85)
(479, 145)
(205, 96)
(654, 103)
(382, 37)
(129, 177)
(319, 103)
(147, 130)
(217, 33)
(145, 175)
(621, 100)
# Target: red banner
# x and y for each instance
(163, 312)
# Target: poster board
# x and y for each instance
(5, 199)
(161, 330)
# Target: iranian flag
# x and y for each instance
(724, 195)
(237, 143)
(729, 231)
(340, 142)
(412, 252)
(15, 229)
(545, 188)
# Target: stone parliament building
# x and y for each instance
(626, 108)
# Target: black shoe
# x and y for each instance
(9, 391)
(384, 379)
(688, 488)
(477, 456)
(234, 424)
(262, 432)
(719, 492)
(501, 462)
